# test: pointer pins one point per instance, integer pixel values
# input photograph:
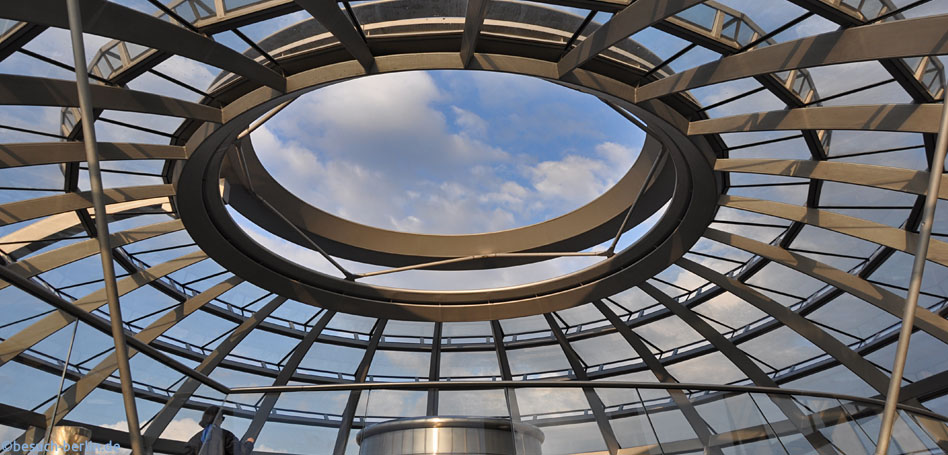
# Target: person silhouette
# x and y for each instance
(231, 445)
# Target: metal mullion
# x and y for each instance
(761, 185)
(732, 99)
(348, 415)
(85, 283)
(434, 368)
(213, 275)
(783, 293)
(767, 142)
(354, 19)
(903, 288)
(62, 65)
(667, 61)
(861, 207)
(136, 127)
(898, 11)
(713, 320)
(896, 149)
(503, 363)
(154, 313)
(776, 31)
(38, 133)
(595, 403)
(156, 250)
(849, 92)
(182, 84)
(826, 253)
(257, 48)
(671, 284)
(25, 319)
(720, 258)
(170, 12)
(749, 223)
(119, 171)
(47, 190)
(578, 32)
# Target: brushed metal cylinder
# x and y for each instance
(450, 435)
(66, 440)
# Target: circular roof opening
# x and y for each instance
(447, 152)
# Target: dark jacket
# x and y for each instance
(232, 446)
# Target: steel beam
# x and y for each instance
(51, 323)
(915, 282)
(638, 16)
(807, 329)
(878, 233)
(473, 20)
(32, 154)
(348, 415)
(112, 20)
(161, 420)
(88, 383)
(579, 370)
(497, 333)
(912, 118)
(697, 423)
(744, 363)
(884, 177)
(434, 368)
(885, 300)
(869, 42)
(286, 373)
(14, 212)
(44, 262)
(328, 14)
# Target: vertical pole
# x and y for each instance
(434, 369)
(102, 225)
(915, 285)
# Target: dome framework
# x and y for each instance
(733, 239)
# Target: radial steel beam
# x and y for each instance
(747, 366)
(915, 282)
(328, 14)
(913, 118)
(299, 352)
(51, 323)
(348, 415)
(74, 395)
(31, 154)
(109, 19)
(595, 403)
(102, 225)
(807, 329)
(638, 16)
(885, 300)
(36, 91)
(41, 263)
(884, 177)
(434, 368)
(161, 420)
(878, 233)
(497, 333)
(14, 212)
(697, 423)
(868, 42)
(473, 20)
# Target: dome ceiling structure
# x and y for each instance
(768, 227)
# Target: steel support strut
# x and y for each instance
(102, 225)
(915, 283)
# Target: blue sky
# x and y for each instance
(448, 152)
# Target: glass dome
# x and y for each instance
(739, 288)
